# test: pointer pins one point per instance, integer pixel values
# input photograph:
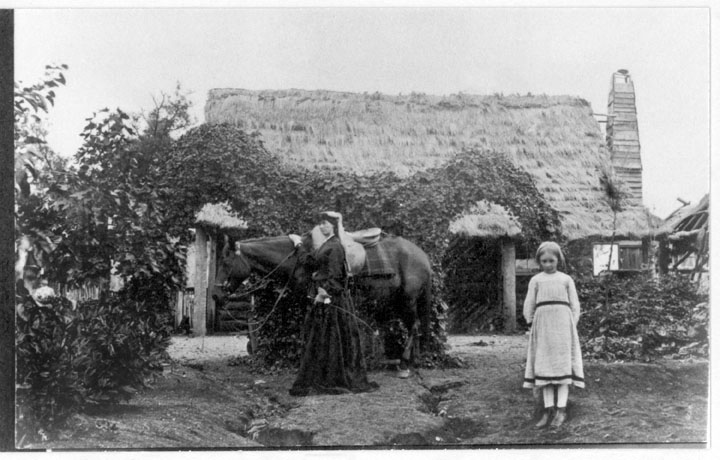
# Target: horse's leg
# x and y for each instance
(412, 323)
(410, 351)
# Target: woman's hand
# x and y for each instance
(296, 240)
(322, 296)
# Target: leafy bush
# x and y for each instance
(279, 332)
(644, 318)
(280, 341)
(49, 389)
(98, 352)
(120, 343)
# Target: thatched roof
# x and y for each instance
(554, 138)
(219, 216)
(485, 220)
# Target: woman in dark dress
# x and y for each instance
(332, 362)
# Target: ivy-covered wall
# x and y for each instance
(215, 163)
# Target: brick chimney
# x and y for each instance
(622, 136)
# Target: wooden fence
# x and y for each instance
(184, 300)
(79, 294)
(184, 306)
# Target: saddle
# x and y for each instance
(354, 244)
(367, 237)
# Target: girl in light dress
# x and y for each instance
(554, 360)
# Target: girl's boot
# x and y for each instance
(559, 417)
(545, 418)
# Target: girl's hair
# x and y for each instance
(553, 248)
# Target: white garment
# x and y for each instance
(554, 355)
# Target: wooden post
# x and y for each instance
(508, 275)
(201, 265)
(179, 307)
(211, 271)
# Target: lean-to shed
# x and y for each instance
(684, 239)
(212, 221)
(491, 221)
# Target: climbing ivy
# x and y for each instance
(218, 163)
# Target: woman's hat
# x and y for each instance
(331, 216)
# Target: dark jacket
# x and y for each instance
(328, 266)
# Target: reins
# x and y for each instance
(260, 285)
(277, 301)
(375, 332)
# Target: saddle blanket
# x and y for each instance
(372, 260)
(379, 261)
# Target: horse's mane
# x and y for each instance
(261, 238)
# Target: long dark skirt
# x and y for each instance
(333, 362)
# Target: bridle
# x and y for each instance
(262, 283)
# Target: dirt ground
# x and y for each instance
(208, 399)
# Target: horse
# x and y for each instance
(406, 294)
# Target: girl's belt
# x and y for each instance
(552, 302)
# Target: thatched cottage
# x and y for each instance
(556, 139)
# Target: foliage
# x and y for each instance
(30, 145)
(99, 352)
(614, 190)
(122, 340)
(33, 157)
(105, 214)
(280, 338)
(644, 318)
(101, 213)
(616, 197)
(279, 332)
(49, 388)
(214, 163)
(434, 353)
(170, 114)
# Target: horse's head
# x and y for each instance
(276, 256)
(301, 273)
(234, 268)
